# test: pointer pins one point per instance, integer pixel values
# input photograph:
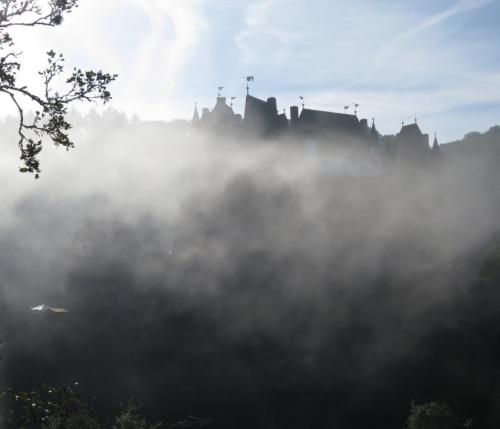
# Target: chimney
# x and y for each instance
(273, 106)
(294, 115)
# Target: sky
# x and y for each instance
(435, 59)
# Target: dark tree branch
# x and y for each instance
(52, 107)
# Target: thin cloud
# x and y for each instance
(392, 48)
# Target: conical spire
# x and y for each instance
(196, 116)
(435, 145)
(374, 132)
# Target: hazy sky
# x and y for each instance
(438, 59)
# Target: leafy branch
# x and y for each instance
(52, 106)
(29, 13)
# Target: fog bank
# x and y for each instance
(263, 284)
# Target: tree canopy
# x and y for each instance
(58, 90)
(434, 415)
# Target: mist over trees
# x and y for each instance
(271, 283)
(476, 145)
(252, 284)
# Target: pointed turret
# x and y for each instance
(435, 145)
(374, 134)
(196, 116)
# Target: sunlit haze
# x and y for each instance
(438, 60)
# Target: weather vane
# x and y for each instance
(232, 99)
(249, 79)
(346, 108)
(220, 90)
(301, 98)
(356, 105)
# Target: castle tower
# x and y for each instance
(294, 115)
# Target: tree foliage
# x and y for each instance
(51, 408)
(58, 89)
(63, 408)
(490, 265)
(434, 415)
(129, 418)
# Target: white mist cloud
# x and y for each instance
(146, 42)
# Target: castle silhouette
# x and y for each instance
(262, 120)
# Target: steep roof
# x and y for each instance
(255, 106)
(255, 101)
(330, 120)
(261, 116)
(410, 130)
(222, 108)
